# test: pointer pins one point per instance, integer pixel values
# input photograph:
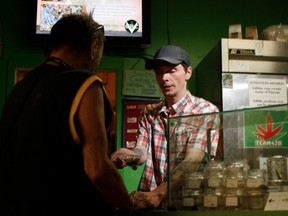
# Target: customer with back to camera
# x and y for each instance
(54, 132)
(173, 70)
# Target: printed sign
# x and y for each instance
(140, 83)
(277, 201)
(266, 92)
(266, 129)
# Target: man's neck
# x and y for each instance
(174, 99)
(67, 56)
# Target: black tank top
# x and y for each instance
(41, 166)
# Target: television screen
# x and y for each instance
(126, 22)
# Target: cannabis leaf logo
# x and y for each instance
(131, 26)
(269, 132)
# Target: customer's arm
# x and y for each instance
(98, 166)
(151, 199)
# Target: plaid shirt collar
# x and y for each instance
(177, 107)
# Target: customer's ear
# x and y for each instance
(93, 49)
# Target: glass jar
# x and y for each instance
(214, 199)
(192, 199)
(256, 199)
(235, 178)
(256, 178)
(195, 181)
(215, 175)
(277, 169)
(235, 199)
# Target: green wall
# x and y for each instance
(196, 25)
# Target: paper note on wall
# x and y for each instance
(266, 92)
(140, 83)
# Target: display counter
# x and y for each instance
(255, 143)
(251, 169)
(209, 213)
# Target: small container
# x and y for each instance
(256, 199)
(195, 181)
(192, 199)
(215, 174)
(235, 199)
(270, 33)
(277, 169)
(256, 178)
(235, 178)
(214, 199)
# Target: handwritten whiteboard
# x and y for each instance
(140, 83)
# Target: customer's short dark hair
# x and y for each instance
(76, 31)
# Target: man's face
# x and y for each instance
(172, 79)
(98, 57)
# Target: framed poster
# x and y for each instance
(131, 112)
(140, 83)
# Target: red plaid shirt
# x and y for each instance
(152, 135)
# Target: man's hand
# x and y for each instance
(117, 157)
(147, 200)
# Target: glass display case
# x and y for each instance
(255, 165)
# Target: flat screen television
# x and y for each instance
(126, 22)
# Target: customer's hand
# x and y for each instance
(117, 157)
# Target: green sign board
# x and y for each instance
(266, 129)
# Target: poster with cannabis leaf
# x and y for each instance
(266, 129)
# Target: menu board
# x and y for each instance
(140, 83)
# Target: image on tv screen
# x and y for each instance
(120, 18)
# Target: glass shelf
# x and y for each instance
(236, 143)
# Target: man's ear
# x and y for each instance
(93, 49)
(188, 73)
